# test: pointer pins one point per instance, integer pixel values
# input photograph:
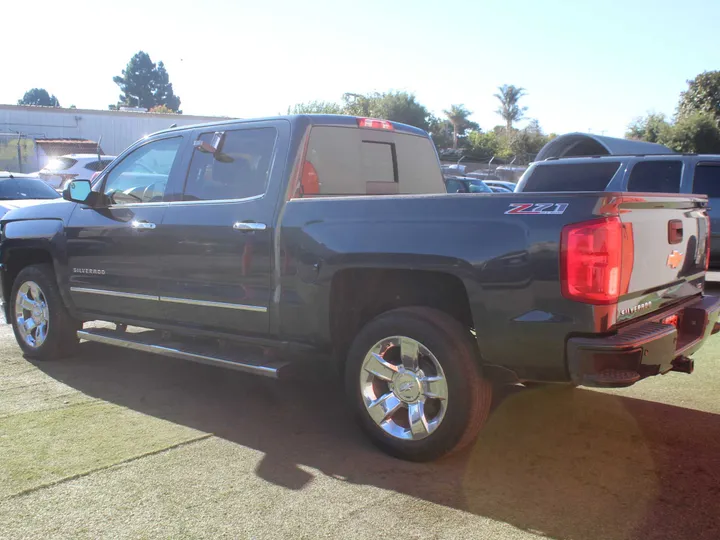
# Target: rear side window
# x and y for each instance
(60, 164)
(707, 180)
(656, 177)
(571, 177)
(356, 161)
(238, 170)
(97, 165)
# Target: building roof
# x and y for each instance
(108, 112)
(61, 147)
(587, 144)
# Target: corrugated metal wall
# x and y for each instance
(118, 129)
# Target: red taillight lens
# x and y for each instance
(66, 177)
(374, 123)
(94, 176)
(591, 260)
(309, 181)
(707, 243)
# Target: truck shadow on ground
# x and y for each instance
(567, 463)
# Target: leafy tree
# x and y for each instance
(509, 109)
(145, 84)
(702, 96)
(316, 107)
(458, 115)
(441, 131)
(394, 106)
(39, 96)
(164, 94)
(651, 128)
(697, 133)
(400, 107)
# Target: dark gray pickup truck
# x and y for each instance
(331, 238)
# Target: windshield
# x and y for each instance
(25, 188)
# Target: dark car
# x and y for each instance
(257, 245)
(20, 190)
(656, 173)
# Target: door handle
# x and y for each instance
(142, 225)
(249, 226)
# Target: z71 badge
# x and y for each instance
(545, 209)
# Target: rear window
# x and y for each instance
(571, 176)
(12, 189)
(355, 161)
(60, 164)
(97, 165)
(707, 180)
(656, 177)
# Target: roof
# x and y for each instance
(7, 174)
(88, 156)
(61, 147)
(104, 112)
(587, 144)
(340, 120)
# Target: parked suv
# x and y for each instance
(666, 173)
(62, 169)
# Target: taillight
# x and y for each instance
(66, 177)
(374, 123)
(596, 259)
(707, 243)
(94, 176)
(309, 181)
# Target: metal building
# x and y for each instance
(22, 127)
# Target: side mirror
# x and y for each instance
(77, 191)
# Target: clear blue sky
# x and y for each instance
(585, 65)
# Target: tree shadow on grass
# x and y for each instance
(567, 463)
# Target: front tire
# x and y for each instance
(43, 327)
(414, 384)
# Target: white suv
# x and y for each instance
(61, 170)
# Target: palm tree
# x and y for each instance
(509, 109)
(458, 117)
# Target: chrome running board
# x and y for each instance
(152, 342)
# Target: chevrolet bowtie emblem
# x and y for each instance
(674, 259)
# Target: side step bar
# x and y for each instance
(151, 342)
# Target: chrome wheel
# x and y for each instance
(31, 314)
(404, 388)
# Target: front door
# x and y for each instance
(113, 247)
(217, 275)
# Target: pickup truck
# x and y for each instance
(658, 173)
(331, 239)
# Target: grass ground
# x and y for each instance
(116, 444)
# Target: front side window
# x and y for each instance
(143, 174)
(239, 169)
(655, 177)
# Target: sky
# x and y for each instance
(586, 66)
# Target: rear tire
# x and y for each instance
(424, 413)
(42, 325)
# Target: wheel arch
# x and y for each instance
(351, 306)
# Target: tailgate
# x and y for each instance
(669, 236)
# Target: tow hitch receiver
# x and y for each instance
(683, 364)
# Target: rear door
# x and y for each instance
(706, 181)
(217, 273)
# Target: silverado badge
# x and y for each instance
(674, 259)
